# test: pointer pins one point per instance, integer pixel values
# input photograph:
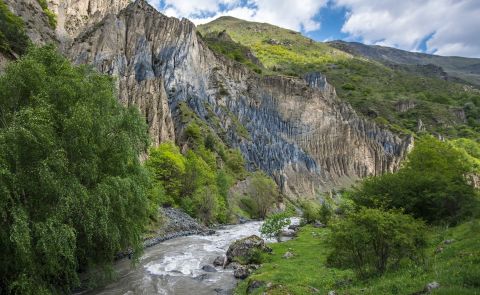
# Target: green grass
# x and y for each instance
(456, 268)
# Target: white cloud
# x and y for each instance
(285, 13)
(454, 25)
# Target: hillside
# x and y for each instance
(408, 98)
(467, 69)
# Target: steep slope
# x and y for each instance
(295, 129)
(438, 101)
(467, 69)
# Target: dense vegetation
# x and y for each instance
(371, 241)
(432, 185)
(377, 240)
(13, 39)
(374, 89)
(455, 266)
(72, 190)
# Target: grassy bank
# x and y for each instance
(456, 266)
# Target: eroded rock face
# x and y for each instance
(36, 22)
(74, 16)
(298, 130)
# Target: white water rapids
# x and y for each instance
(175, 266)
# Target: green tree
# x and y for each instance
(72, 189)
(273, 225)
(371, 240)
(206, 204)
(168, 166)
(325, 213)
(264, 192)
(432, 184)
(310, 211)
(197, 174)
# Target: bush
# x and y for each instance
(206, 204)
(325, 213)
(432, 185)
(273, 225)
(264, 193)
(168, 167)
(249, 206)
(371, 241)
(72, 190)
(310, 211)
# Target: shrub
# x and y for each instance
(193, 134)
(273, 225)
(310, 211)
(264, 192)
(168, 167)
(325, 213)
(206, 204)
(249, 206)
(372, 241)
(432, 185)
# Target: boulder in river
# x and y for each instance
(220, 261)
(208, 268)
(245, 250)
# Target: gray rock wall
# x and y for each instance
(299, 131)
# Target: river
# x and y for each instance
(174, 267)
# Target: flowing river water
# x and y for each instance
(175, 266)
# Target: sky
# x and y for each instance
(443, 27)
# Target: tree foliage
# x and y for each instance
(264, 193)
(432, 185)
(72, 190)
(273, 225)
(371, 241)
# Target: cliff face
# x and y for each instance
(295, 129)
(36, 22)
(74, 16)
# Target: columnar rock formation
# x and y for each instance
(298, 130)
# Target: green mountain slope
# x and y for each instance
(467, 69)
(406, 98)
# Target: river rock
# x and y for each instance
(209, 268)
(220, 261)
(318, 224)
(288, 233)
(241, 272)
(233, 265)
(294, 227)
(201, 277)
(242, 249)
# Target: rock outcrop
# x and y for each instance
(74, 16)
(36, 22)
(297, 130)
